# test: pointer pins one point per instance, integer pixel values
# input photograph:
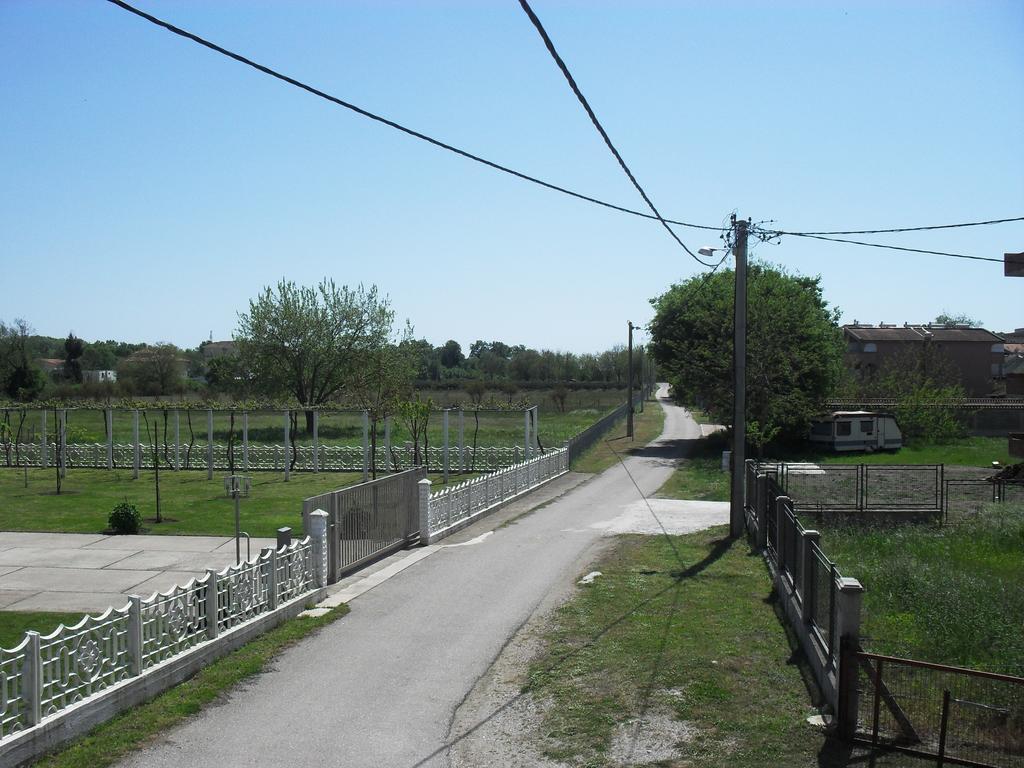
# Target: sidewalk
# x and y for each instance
(89, 573)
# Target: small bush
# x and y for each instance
(125, 519)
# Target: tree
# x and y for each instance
(73, 349)
(156, 370)
(20, 379)
(307, 342)
(451, 354)
(794, 345)
(945, 318)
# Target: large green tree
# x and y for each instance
(20, 379)
(308, 342)
(794, 348)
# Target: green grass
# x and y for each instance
(949, 595)
(114, 740)
(697, 640)
(699, 475)
(189, 502)
(604, 454)
(967, 452)
(14, 624)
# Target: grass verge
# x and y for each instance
(14, 624)
(699, 475)
(676, 656)
(646, 427)
(966, 452)
(108, 743)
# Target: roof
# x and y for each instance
(919, 333)
(1014, 366)
(853, 414)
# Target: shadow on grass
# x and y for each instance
(721, 546)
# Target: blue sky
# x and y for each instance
(151, 187)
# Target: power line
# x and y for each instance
(889, 247)
(600, 129)
(385, 121)
(907, 229)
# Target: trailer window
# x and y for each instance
(843, 428)
(867, 427)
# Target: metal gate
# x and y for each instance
(368, 521)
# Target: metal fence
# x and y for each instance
(368, 521)
(871, 491)
(959, 716)
(44, 675)
(966, 497)
(578, 444)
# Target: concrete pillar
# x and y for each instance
(212, 609)
(526, 435)
(387, 441)
(444, 450)
(462, 440)
(536, 426)
(848, 607)
(271, 578)
(761, 512)
(284, 537)
(135, 635)
(108, 416)
(32, 680)
(245, 441)
(809, 574)
(62, 436)
(424, 508)
(366, 446)
(316, 441)
(136, 457)
(177, 440)
(43, 459)
(318, 533)
(780, 513)
(287, 446)
(209, 443)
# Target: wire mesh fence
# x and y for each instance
(959, 716)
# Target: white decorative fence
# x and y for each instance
(45, 675)
(447, 510)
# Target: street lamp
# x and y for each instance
(237, 486)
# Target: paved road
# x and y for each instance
(380, 687)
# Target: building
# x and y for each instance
(51, 366)
(99, 376)
(974, 355)
(215, 349)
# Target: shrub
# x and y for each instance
(125, 519)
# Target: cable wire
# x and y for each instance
(600, 128)
(907, 229)
(889, 247)
(390, 123)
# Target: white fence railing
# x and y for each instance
(453, 506)
(44, 675)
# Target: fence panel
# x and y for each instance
(902, 487)
(963, 716)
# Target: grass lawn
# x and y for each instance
(111, 742)
(699, 475)
(967, 452)
(14, 624)
(683, 633)
(646, 427)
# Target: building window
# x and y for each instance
(867, 427)
(869, 346)
(997, 349)
(843, 428)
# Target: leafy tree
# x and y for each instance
(945, 318)
(73, 349)
(451, 354)
(227, 374)
(156, 370)
(308, 342)
(794, 346)
(20, 379)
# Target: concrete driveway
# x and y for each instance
(89, 573)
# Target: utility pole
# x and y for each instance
(739, 415)
(629, 386)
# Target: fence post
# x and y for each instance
(272, 579)
(43, 461)
(33, 691)
(366, 445)
(318, 533)
(135, 634)
(462, 440)
(245, 441)
(387, 444)
(212, 610)
(780, 514)
(761, 512)
(136, 458)
(526, 435)
(109, 416)
(424, 508)
(209, 443)
(62, 435)
(444, 449)
(848, 605)
(177, 440)
(809, 574)
(316, 441)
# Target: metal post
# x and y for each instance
(109, 416)
(316, 441)
(209, 443)
(177, 440)
(739, 423)
(629, 385)
(136, 458)
(366, 445)
(444, 449)
(245, 441)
